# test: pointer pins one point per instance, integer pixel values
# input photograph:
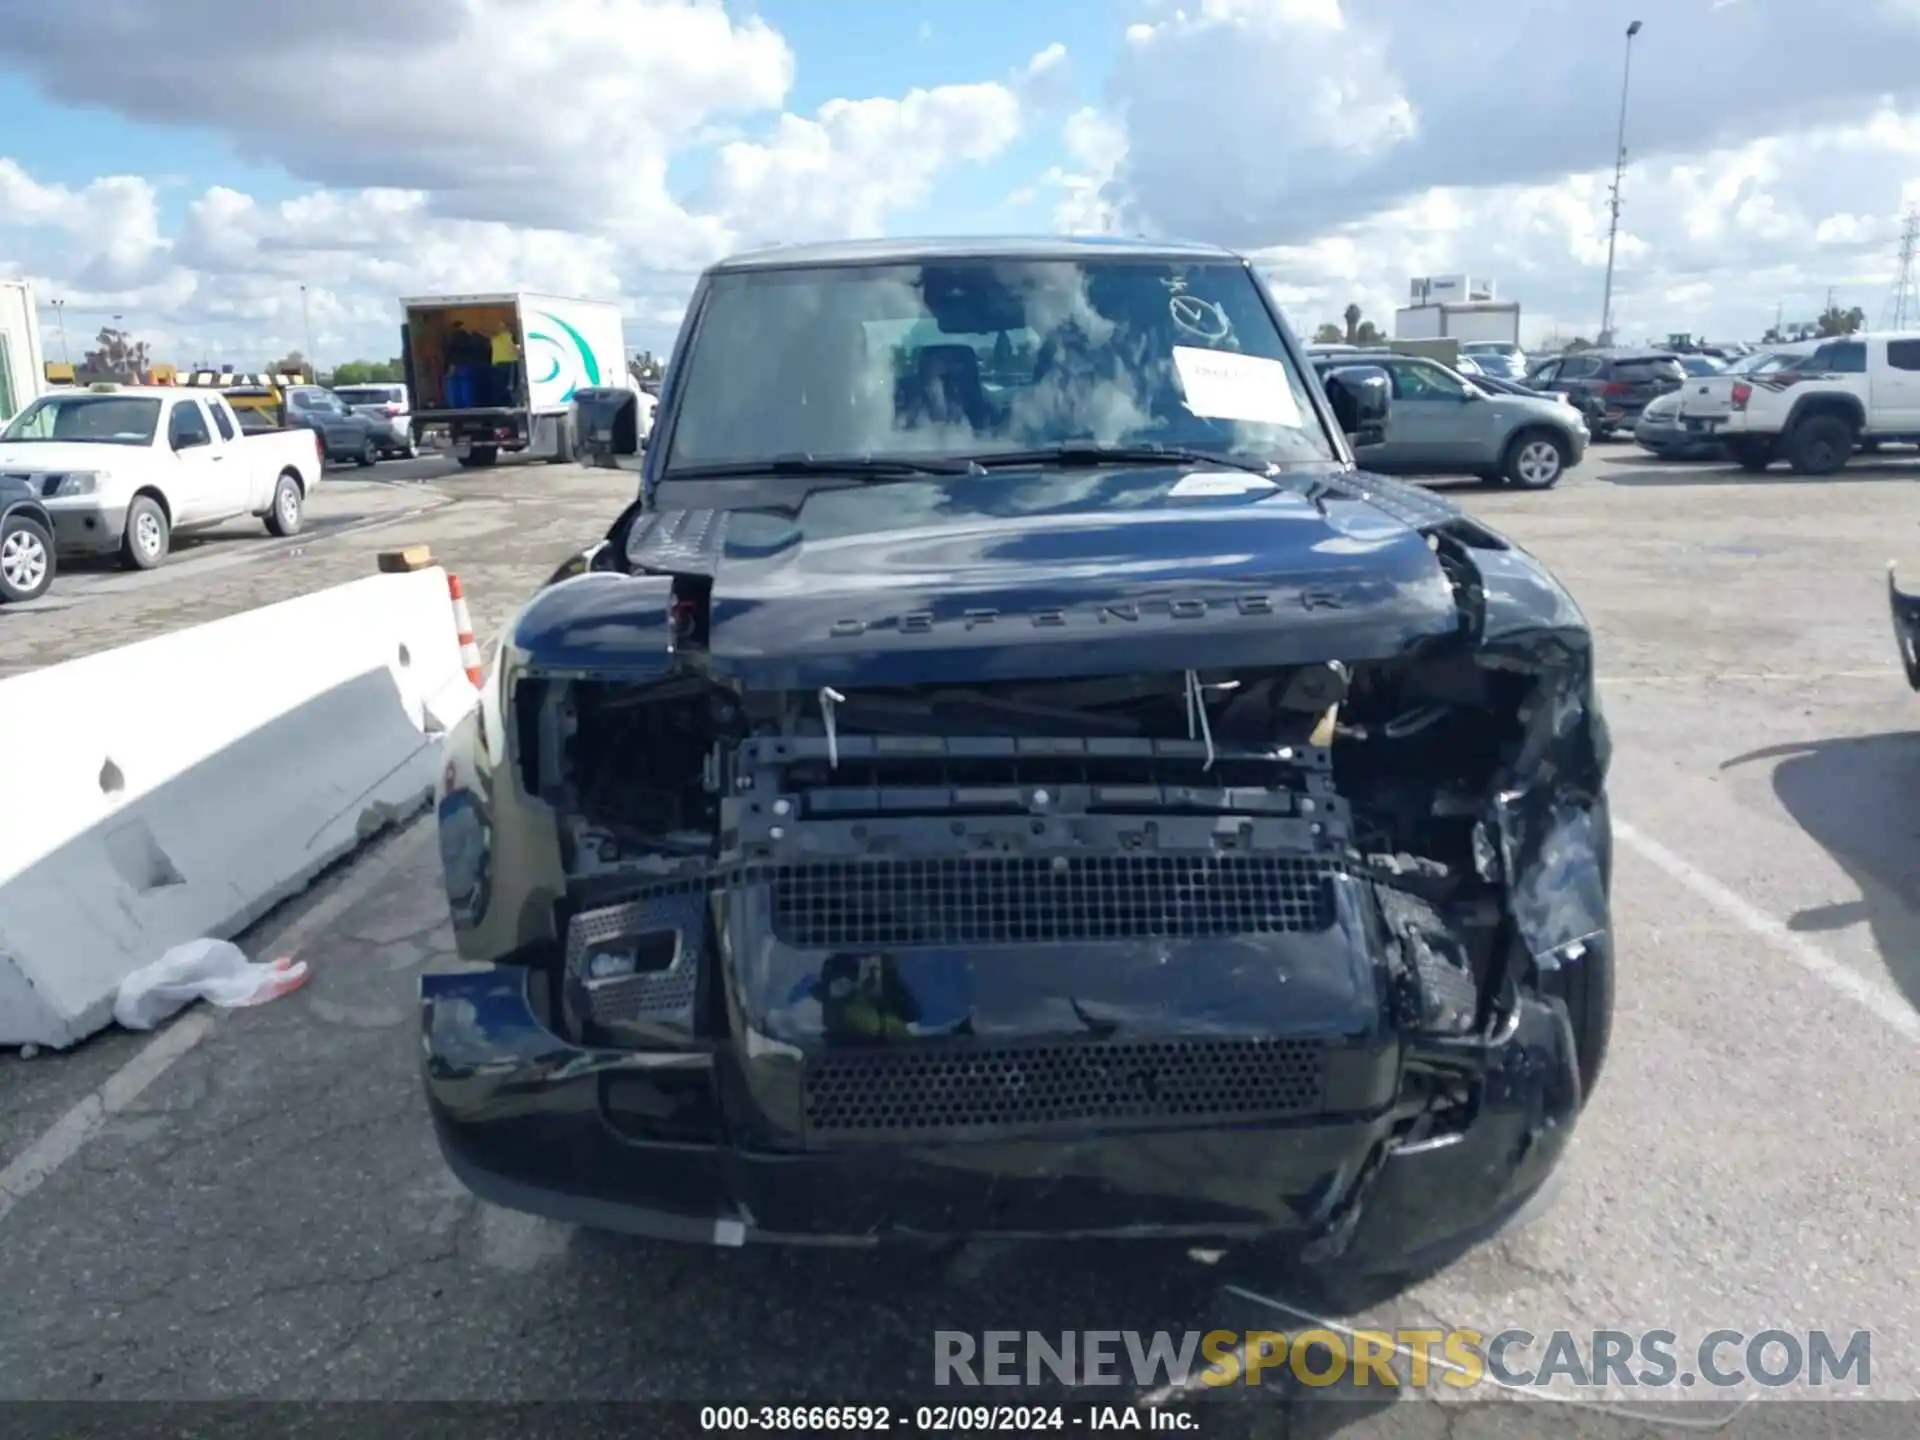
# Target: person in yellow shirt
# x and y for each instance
(506, 364)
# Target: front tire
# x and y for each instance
(148, 536)
(26, 559)
(1535, 460)
(288, 512)
(1820, 445)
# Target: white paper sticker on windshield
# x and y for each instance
(1222, 385)
(1222, 485)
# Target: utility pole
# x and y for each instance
(60, 319)
(1619, 174)
(1901, 304)
(306, 324)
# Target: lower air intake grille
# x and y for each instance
(1030, 900)
(967, 1087)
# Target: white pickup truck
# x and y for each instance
(1815, 408)
(121, 468)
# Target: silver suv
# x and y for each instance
(1441, 423)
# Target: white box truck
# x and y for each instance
(1497, 320)
(461, 381)
(22, 362)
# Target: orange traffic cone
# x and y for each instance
(463, 624)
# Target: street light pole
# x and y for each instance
(1619, 172)
(60, 319)
(306, 323)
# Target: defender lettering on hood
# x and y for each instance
(1122, 612)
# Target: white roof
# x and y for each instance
(141, 392)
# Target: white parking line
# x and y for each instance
(1882, 1002)
(65, 1138)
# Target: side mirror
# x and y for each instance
(1360, 396)
(578, 564)
(606, 425)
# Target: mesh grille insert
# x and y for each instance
(952, 1088)
(1028, 900)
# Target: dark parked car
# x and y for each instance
(1906, 627)
(1611, 387)
(1051, 805)
(27, 561)
(344, 433)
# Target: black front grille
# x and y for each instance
(961, 1087)
(1030, 900)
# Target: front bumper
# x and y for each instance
(86, 527)
(640, 1142)
(1906, 627)
(1675, 441)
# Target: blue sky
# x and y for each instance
(851, 48)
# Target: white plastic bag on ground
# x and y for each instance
(216, 971)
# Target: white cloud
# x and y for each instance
(560, 112)
(461, 145)
(841, 172)
(1258, 122)
(1356, 145)
(1350, 143)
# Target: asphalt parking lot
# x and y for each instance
(252, 1204)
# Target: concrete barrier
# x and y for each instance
(183, 786)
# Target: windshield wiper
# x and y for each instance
(1086, 453)
(853, 466)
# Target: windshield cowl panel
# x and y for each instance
(967, 360)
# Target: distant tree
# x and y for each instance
(369, 372)
(1329, 334)
(294, 364)
(645, 367)
(1840, 322)
(1576, 345)
(118, 354)
(1352, 316)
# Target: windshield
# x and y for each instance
(368, 395)
(972, 358)
(86, 419)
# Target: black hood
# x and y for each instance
(1024, 574)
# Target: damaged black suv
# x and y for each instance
(1009, 774)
